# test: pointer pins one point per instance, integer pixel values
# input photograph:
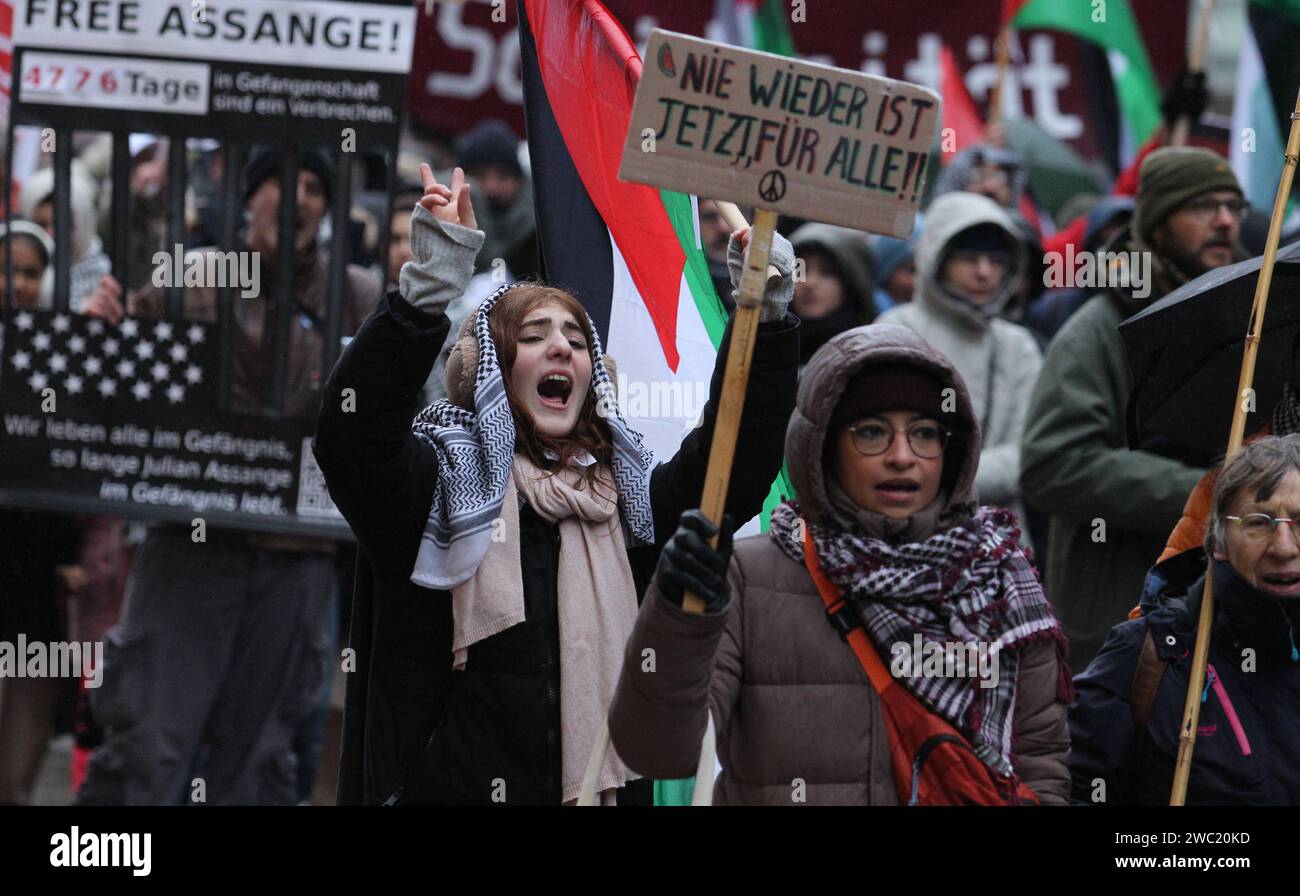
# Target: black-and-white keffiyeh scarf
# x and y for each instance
(475, 454)
(1286, 414)
(967, 584)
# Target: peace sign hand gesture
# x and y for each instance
(442, 255)
(448, 203)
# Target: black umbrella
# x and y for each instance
(1185, 353)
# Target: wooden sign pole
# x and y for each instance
(726, 427)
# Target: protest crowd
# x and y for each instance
(517, 574)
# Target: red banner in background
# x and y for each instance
(466, 63)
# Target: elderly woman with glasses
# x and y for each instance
(885, 547)
(1125, 721)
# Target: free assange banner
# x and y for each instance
(301, 69)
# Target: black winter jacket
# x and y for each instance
(414, 730)
(1248, 739)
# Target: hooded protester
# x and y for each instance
(506, 537)
(885, 477)
(834, 294)
(992, 171)
(1111, 507)
(1128, 712)
(895, 271)
(1049, 313)
(33, 249)
(969, 258)
(88, 261)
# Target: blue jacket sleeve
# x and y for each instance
(1102, 754)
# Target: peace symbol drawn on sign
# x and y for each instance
(771, 187)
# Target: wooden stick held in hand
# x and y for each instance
(1201, 651)
(744, 331)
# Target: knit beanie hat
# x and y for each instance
(264, 163)
(891, 254)
(987, 237)
(890, 387)
(1172, 175)
(489, 143)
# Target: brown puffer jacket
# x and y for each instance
(796, 717)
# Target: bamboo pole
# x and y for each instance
(1201, 650)
(726, 428)
(1195, 61)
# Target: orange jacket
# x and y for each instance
(1190, 531)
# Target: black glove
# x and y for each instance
(687, 563)
(1188, 96)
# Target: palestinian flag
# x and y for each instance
(629, 252)
(1112, 27)
(765, 25)
(1267, 70)
(959, 112)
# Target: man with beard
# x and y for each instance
(1111, 508)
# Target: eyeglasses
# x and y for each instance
(1000, 260)
(1207, 208)
(926, 438)
(1259, 526)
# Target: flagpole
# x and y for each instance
(726, 428)
(1183, 125)
(1201, 650)
(1004, 65)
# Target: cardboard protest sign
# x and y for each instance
(297, 69)
(812, 141)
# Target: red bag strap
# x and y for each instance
(849, 628)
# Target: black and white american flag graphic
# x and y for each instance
(138, 362)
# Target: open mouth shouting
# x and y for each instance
(554, 390)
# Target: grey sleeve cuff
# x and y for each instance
(778, 295)
(443, 262)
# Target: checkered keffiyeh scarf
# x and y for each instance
(1286, 414)
(476, 452)
(967, 584)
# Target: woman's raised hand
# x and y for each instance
(448, 203)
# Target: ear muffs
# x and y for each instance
(462, 367)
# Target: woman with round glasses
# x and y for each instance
(1126, 719)
(882, 450)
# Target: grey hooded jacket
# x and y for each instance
(998, 360)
